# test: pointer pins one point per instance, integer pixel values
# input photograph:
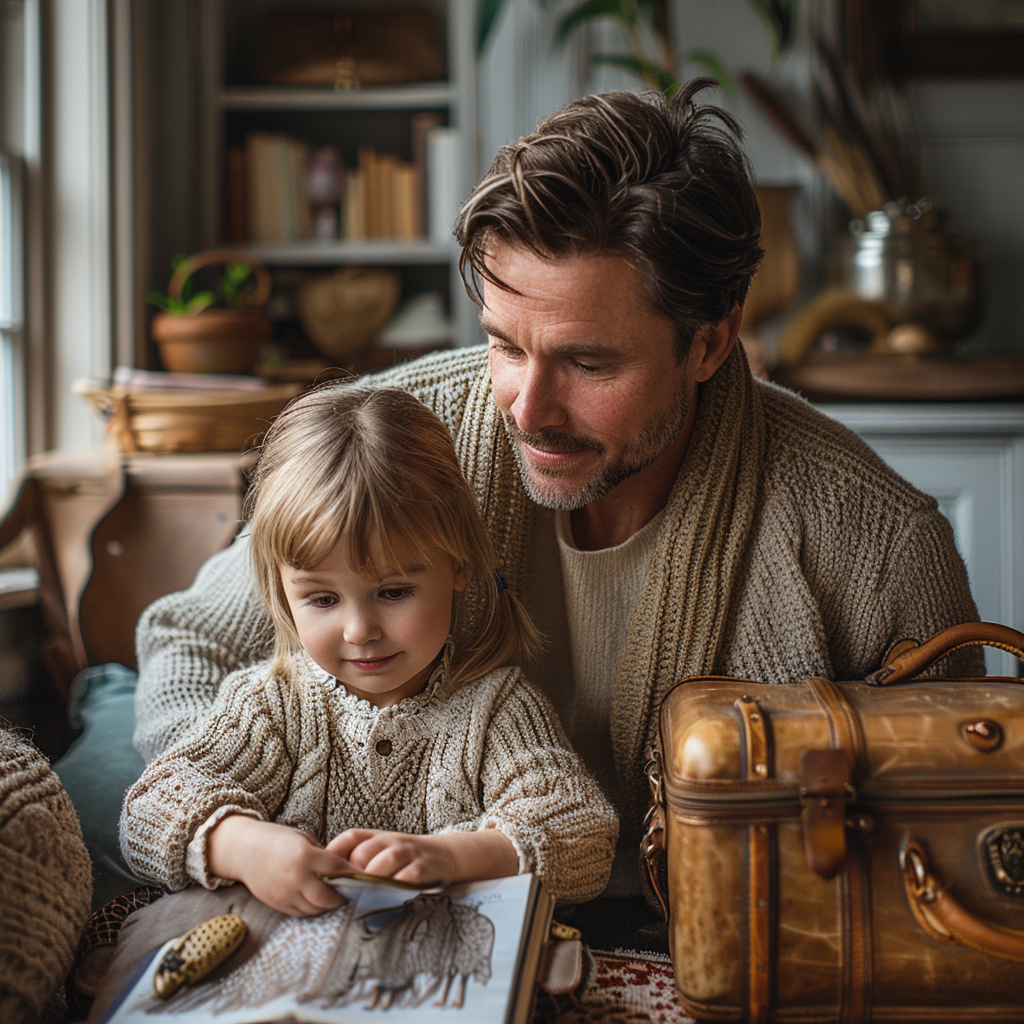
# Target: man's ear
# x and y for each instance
(712, 344)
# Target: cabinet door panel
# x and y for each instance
(973, 480)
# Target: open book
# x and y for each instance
(465, 955)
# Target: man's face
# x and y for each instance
(584, 371)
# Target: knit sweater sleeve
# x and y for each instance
(926, 590)
(538, 792)
(241, 758)
(188, 642)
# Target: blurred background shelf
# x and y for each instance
(333, 254)
(238, 101)
(409, 97)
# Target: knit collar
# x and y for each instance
(363, 708)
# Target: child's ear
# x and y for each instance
(461, 580)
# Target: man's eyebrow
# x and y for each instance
(493, 330)
(592, 349)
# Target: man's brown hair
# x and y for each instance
(663, 182)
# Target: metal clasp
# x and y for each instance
(652, 769)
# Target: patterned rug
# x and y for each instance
(627, 988)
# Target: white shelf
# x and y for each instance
(310, 253)
(405, 97)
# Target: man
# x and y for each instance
(660, 512)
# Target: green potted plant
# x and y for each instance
(213, 331)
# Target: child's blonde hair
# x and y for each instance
(353, 462)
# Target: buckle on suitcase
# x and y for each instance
(826, 788)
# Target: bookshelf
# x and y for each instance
(232, 106)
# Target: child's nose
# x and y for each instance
(361, 628)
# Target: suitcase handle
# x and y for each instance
(909, 658)
(947, 921)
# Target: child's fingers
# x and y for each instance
(416, 872)
(326, 864)
(361, 856)
(391, 859)
(345, 842)
(319, 897)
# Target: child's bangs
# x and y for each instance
(387, 540)
(384, 530)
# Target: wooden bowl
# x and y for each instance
(181, 420)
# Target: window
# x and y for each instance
(10, 317)
(13, 52)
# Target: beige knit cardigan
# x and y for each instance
(788, 548)
(307, 753)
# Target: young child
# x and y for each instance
(388, 724)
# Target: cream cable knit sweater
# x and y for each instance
(489, 755)
(45, 882)
(787, 548)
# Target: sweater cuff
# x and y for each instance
(524, 851)
(196, 865)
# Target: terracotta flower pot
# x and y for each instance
(214, 340)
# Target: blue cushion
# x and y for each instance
(99, 767)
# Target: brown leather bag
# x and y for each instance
(846, 851)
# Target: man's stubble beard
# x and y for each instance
(654, 439)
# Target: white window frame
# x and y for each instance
(12, 362)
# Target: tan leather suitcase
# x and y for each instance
(846, 851)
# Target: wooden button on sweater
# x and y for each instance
(383, 747)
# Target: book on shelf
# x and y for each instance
(443, 191)
(266, 200)
(469, 954)
(276, 205)
(383, 198)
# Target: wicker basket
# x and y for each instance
(181, 420)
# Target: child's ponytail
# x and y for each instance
(505, 633)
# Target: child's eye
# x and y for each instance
(395, 593)
(323, 600)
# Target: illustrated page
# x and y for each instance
(397, 956)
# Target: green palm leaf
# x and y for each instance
(487, 16)
(621, 11)
(709, 62)
(649, 71)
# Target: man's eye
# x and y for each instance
(586, 367)
(508, 351)
(395, 593)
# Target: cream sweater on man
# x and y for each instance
(787, 548)
(490, 754)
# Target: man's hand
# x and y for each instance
(428, 860)
(279, 865)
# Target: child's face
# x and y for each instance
(380, 637)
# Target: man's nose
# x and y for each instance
(537, 405)
(361, 627)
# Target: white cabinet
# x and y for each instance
(971, 459)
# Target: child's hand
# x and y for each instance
(279, 865)
(428, 860)
(422, 860)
